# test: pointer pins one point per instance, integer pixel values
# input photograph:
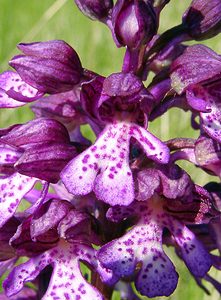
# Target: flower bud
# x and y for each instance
(134, 23)
(203, 19)
(51, 67)
(95, 9)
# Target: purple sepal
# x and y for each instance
(66, 281)
(45, 160)
(13, 189)
(134, 23)
(7, 253)
(77, 226)
(109, 157)
(14, 92)
(95, 9)
(171, 182)
(26, 245)
(37, 131)
(51, 67)
(203, 19)
(48, 216)
(64, 107)
(197, 64)
(199, 211)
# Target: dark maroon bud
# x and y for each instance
(37, 131)
(45, 160)
(51, 67)
(203, 19)
(134, 23)
(95, 9)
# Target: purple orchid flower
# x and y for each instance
(114, 204)
(143, 244)
(104, 167)
(62, 245)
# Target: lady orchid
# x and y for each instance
(103, 211)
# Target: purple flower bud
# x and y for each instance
(134, 23)
(45, 160)
(51, 67)
(95, 9)
(37, 131)
(203, 19)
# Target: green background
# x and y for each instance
(35, 20)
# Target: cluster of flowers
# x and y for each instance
(111, 205)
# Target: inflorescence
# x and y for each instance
(112, 205)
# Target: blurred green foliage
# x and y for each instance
(27, 21)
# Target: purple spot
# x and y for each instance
(94, 148)
(119, 165)
(111, 176)
(85, 159)
(84, 169)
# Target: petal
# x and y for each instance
(66, 281)
(7, 102)
(211, 121)
(9, 154)
(152, 146)
(65, 107)
(110, 157)
(142, 244)
(13, 189)
(77, 176)
(195, 256)
(13, 88)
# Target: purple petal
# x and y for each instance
(143, 243)
(65, 107)
(110, 157)
(9, 154)
(211, 121)
(114, 184)
(14, 91)
(152, 146)
(195, 256)
(13, 189)
(66, 281)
